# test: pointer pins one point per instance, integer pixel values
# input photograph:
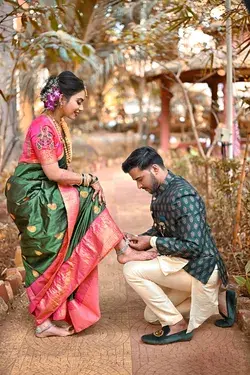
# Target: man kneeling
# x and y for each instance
(188, 272)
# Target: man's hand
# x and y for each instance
(140, 242)
(128, 236)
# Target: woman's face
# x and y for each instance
(74, 105)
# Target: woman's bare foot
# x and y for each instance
(131, 254)
(52, 330)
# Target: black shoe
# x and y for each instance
(231, 301)
(162, 338)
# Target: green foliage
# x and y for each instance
(150, 30)
(181, 165)
(244, 281)
(42, 35)
(158, 36)
(63, 54)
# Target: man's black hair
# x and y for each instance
(247, 3)
(142, 158)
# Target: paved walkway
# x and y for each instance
(113, 346)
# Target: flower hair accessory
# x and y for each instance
(51, 96)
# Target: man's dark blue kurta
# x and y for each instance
(180, 224)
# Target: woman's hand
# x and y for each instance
(98, 191)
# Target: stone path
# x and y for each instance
(113, 346)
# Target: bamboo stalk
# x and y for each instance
(239, 196)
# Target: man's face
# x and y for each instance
(146, 179)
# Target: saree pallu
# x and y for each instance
(64, 234)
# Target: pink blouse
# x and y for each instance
(42, 144)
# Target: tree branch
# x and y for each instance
(12, 13)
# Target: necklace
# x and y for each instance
(65, 138)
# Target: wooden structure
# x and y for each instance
(212, 78)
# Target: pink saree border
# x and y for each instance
(49, 293)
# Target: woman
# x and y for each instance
(64, 226)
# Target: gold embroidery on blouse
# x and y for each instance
(45, 139)
(45, 146)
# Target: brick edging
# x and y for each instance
(10, 285)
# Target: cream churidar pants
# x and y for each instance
(170, 293)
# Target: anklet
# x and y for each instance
(40, 330)
(122, 251)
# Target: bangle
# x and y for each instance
(86, 179)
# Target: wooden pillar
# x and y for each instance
(164, 118)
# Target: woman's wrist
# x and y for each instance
(81, 180)
(69, 178)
